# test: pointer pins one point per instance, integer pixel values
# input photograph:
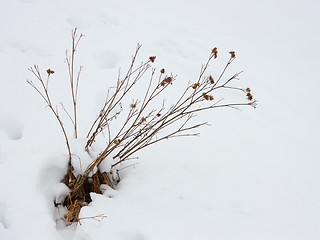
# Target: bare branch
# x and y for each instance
(74, 82)
(43, 91)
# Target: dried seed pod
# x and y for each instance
(233, 54)
(49, 71)
(142, 119)
(215, 52)
(211, 79)
(152, 58)
(195, 85)
(166, 80)
(207, 96)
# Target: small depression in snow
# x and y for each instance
(106, 20)
(12, 127)
(106, 59)
(78, 22)
(3, 216)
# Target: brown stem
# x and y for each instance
(46, 97)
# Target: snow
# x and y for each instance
(254, 174)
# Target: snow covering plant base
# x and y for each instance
(131, 122)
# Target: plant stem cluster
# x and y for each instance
(143, 124)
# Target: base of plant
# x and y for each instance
(80, 196)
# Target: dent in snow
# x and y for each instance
(106, 59)
(3, 217)
(78, 22)
(12, 127)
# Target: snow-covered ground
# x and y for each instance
(254, 174)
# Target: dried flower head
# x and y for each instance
(215, 52)
(249, 96)
(233, 54)
(195, 85)
(133, 105)
(158, 114)
(207, 96)
(166, 80)
(211, 79)
(248, 90)
(49, 71)
(152, 58)
(117, 141)
(162, 71)
(142, 119)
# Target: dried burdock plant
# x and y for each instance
(142, 122)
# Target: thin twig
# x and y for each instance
(45, 95)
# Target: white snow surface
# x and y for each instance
(253, 174)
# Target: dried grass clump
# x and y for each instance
(142, 122)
